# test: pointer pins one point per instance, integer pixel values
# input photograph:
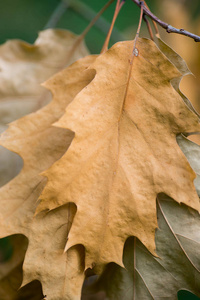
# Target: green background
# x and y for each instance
(23, 19)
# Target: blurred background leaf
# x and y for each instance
(185, 14)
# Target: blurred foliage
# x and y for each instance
(23, 19)
(185, 14)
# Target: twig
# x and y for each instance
(135, 50)
(154, 23)
(57, 14)
(88, 14)
(96, 18)
(148, 27)
(82, 36)
(169, 28)
(117, 10)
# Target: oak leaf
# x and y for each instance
(177, 239)
(124, 152)
(23, 68)
(40, 144)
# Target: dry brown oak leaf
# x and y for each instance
(124, 152)
(40, 144)
(23, 67)
(177, 265)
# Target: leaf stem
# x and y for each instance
(96, 18)
(134, 53)
(81, 37)
(169, 28)
(148, 27)
(89, 14)
(117, 10)
(154, 23)
(137, 34)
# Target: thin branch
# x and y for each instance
(117, 10)
(87, 13)
(169, 28)
(57, 14)
(154, 23)
(148, 27)
(95, 19)
(135, 51)
(82, 36)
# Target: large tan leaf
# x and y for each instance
(40, 144)
(124, 152)
(177, 267)
(23, 67)
(177, 239)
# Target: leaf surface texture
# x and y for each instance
(124, 152)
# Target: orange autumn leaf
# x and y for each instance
(124, 152)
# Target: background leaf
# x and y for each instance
(40, 144)
(177, 265)
(23, 68)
